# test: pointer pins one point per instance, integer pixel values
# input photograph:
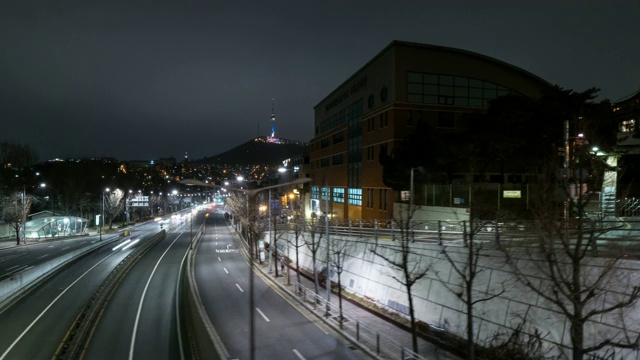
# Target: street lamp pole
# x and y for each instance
(24, 214)
(102, 219)
(271, 243)
(327, 281)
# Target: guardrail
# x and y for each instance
(614, 231)
(364, 335)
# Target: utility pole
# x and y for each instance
(271, 242)
(327, 281)
(24, 214)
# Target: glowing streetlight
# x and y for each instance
(102, 219)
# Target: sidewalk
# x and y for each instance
(387, 336)
(10, 242)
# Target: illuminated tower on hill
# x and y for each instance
(273, 118)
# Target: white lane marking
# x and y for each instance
(219, 258)
(295, 351)
(225, 270)
(65, 248)
(263, 315)
(144, 292)
(41, 256)
(239, 288)
(48, 307)
(9, 268)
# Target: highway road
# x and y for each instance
(20, 258)
(34, 326)
(281, 330)
(139, 321)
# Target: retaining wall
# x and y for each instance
(370, 277)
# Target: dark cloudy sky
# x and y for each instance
(150, 79)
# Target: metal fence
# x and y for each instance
(610, 233)
(366, 336)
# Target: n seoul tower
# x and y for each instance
(273, 118)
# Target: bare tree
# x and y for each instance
(402, 258)
(114, 205)
(563, 267)
(340, 249)
(15, 209)
(298, 225)
(244, 210)
(464, 263)
(314, 228)
(155, 201)
(274, 239)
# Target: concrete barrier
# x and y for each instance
(205, 341)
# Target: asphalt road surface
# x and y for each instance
(33, 327)
(281, 330)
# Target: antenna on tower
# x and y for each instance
(273, 117)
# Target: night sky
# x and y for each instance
(140, 80)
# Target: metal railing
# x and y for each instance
(607, 233)
(363, 334)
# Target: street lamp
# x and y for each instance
(102, 219)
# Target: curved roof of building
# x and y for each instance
(471, 54)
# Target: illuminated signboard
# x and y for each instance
(511, 194)
(139, 201)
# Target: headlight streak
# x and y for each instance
(121, 244)
(133, 242)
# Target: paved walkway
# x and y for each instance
(392, 338)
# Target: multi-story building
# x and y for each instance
(626, 113)
(378, 106)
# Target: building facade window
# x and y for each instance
(338, 137)
(382, 199)
(338, 195)
(354, 134)
(427, 88)
(337, 159)
(325, 193)
(627, 126)
(355, 197)
(370, 199)
(333, 122)
(371, 151)
(324, 143)
(384, 119)
(324, 162)
(315, 193)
